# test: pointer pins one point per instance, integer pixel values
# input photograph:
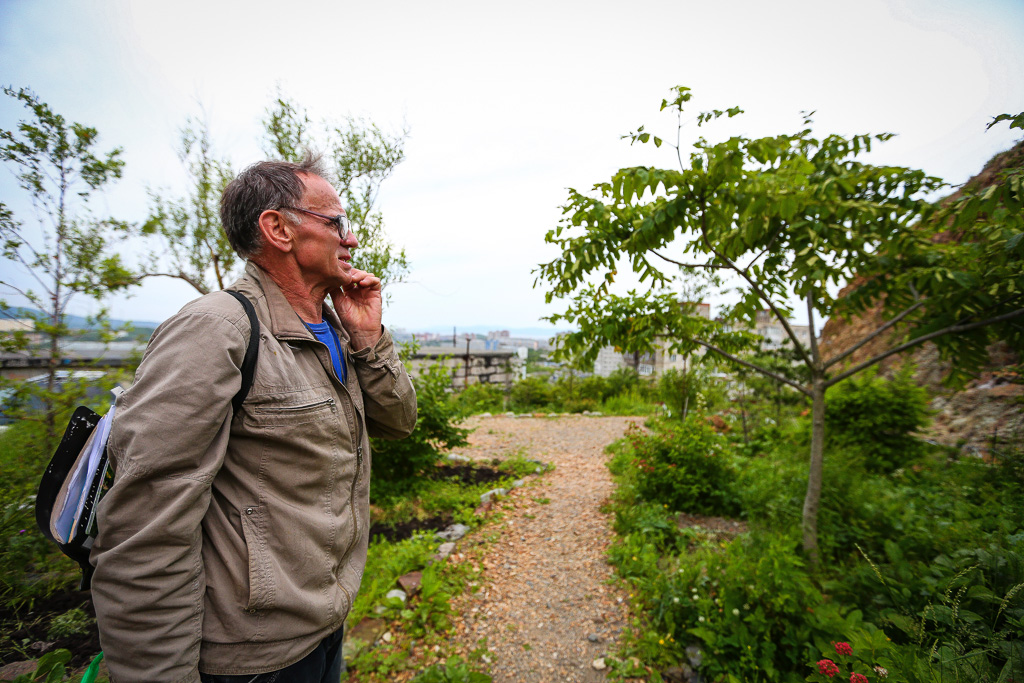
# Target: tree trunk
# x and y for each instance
(813, 498)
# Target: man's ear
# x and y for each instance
(277, 232)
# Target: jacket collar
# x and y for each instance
(284, 322)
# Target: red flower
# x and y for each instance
(828, 668)
(858, 678)
(843, 649)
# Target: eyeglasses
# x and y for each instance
(341, 221)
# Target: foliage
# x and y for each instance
(634, 402)
(878, 417)
(73, 622)
(23, 549)
(686, 467)
(70, 252)
(861, 660)
(360, 156)
(531, 394)
(455, 670)
(787, 215)
(940, 600)
(480, 398)
(399, 462)
(193, 246)
(679, 389)
(51, 668)
(959, 618)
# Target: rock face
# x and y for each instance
(989, 405)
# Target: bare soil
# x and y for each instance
(546, 606)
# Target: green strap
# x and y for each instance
(94, 666)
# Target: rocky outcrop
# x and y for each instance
(991, 405)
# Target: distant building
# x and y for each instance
(649, 364)
(774, 334)
(27, 326)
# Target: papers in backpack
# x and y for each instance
(80, 487)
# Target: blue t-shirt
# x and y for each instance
(329, 336)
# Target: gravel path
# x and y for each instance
(545, 606)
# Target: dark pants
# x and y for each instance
(322, 665)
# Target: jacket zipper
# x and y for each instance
(359, 458)
(355, 481)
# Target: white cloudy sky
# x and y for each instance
(508, 103)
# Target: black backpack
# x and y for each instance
(78, 473)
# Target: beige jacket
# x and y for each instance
(233, 544)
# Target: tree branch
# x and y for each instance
(832, 361)
(953, 329)
(757, 368)
(757, 290)
(199, 286)
(689, 265)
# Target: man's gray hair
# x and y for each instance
(264, 186)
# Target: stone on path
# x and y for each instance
(411, 582)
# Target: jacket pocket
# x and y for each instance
(277, 413)
(262, 589)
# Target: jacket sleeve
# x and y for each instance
(388, 394)
(167, 442)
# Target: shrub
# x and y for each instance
(480, 398)
(678, 390)
(396, 463)
(595, 388)
(686, 467)
(530, 394)
(622, 381)
(878, 417)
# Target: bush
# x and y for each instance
(687, 467)
(531, 394)
(622, 380)
(633, 402)
(595, 388)
(878, 417)
(678, 390)
(751, 602)
(480, 398)
(397, 463)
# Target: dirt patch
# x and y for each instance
(468, 474)
(404, 530)
(721, 527)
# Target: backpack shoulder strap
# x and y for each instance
(251, 352)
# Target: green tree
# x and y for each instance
(787, 218)
(360, 156)
(69, 251)
(192, 245)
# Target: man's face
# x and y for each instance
(320, 252)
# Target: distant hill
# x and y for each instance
(75, 322)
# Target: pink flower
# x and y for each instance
(843, 649)
(858, 678)
(828, 668)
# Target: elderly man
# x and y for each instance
(231, 544)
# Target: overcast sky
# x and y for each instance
(508, 104)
